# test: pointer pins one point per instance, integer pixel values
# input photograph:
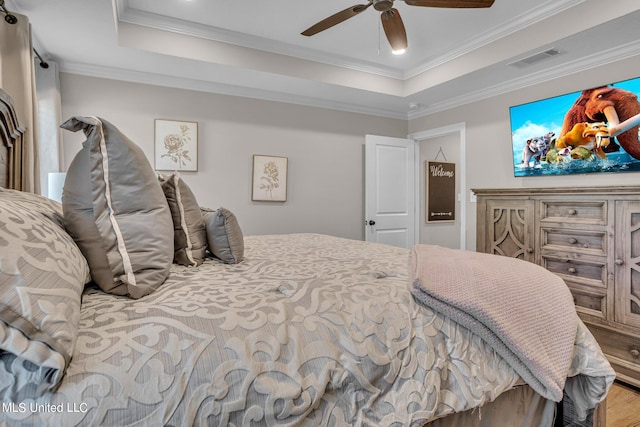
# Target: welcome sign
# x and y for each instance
(441, 191)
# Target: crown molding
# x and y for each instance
(144, 77)
(124, 13)
(600, 59)
(615, 54)
(539, 14)
(160, 22)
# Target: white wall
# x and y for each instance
(488, 135)
(324, 147)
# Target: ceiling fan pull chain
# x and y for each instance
(379, 25)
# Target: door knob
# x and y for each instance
(371, 222)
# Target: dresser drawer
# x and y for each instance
(576, 212)
(590, 273)
(622, 350)
(591, 242)
(589, 301)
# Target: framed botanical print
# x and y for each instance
(176, 145)
(269, 178)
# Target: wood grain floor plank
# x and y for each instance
(623, 406)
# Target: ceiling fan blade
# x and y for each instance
(336, 19)
(394, 29)
(457, 4)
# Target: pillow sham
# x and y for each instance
(224, 236)
(43, 274)
(189, 236)
(116, 211)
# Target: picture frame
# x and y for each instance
(176, 145)
(269, 182)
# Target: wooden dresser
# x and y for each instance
(588, 236)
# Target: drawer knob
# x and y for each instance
(619, 261)
(529, 250)
(635, 353)
(571, 270)
(572, 211)
(573, 240)
(586, 245)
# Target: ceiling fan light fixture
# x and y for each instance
(382, 5)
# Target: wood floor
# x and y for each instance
(623, 406)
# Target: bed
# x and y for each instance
(296, 330)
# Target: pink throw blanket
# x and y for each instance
(523, 311)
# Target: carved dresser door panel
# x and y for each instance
(510, 228)
(627, 262)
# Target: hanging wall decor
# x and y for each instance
(269, 178)
(441, 191)
(176, 145)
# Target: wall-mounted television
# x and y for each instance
(578, 132)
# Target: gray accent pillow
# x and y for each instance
(189, 236)
(116, 211)
(43, 274)
(224, 235)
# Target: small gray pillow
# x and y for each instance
(190, 236)
(116, 212)
(224, 235)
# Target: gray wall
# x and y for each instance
(324, 147)
(488, 135)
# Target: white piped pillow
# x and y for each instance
(190, 236)
(116, 211)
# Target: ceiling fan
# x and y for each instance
(391, 20)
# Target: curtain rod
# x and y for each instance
(11, 19)
(8, 17)
(43, 64)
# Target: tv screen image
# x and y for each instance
(594, 130)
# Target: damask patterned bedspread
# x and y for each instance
(308, 330)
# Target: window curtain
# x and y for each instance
(49, 119)
(17, 79)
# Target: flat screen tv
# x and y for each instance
(578, 132)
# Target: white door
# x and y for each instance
(390, 190)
